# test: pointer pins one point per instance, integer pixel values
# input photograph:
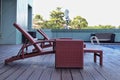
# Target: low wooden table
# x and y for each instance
(69, 53)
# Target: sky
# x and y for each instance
(96, 12)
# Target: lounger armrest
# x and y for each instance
(43, 41)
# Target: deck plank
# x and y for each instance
(9, 71)
(5, 68)
(76, 75)
(56, 74)
(66, 74)
(86, 75)
(105, 73)
(38, 64)
(43, 67)
(36, 74)
(26, 74)
(18, 72)
(94, 73)
(46, 75)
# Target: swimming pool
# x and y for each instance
(112, 46)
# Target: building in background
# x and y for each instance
(19, 11)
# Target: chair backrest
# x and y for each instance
(43, 34)
(28, 36)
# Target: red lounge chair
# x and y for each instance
(97, 53)
(23, 53)
(45, 37)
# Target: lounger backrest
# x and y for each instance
(28, 36)
(43, 34)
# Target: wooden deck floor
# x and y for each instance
(43, 68)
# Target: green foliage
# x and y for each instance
(56, 21)
(38, 17)
(119, 27)
(100, 27)
(78, 22)
(38, 21)
(50, 25)
(56, 18)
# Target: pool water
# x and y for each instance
(112, 46)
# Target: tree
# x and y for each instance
(119, 27)
(78, 22)
(38, 21)
(56, 18)
(38, 17)
(107, 27)
(56, 21)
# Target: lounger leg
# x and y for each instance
(95, 57)
(101, 59)
(100, 55)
